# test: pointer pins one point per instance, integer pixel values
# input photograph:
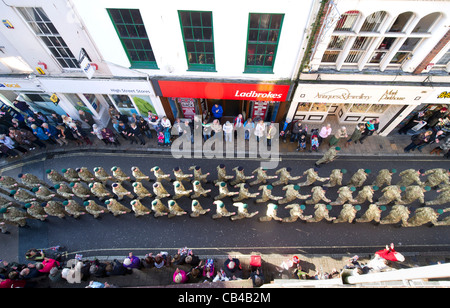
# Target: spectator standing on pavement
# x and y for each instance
(260, 129)
(286, 129)
(97, 131)
(232, 268)
(443, 147)
(371, 126)
(87, 118)
(24, 107)
(325, 131)
(206, 129)
(109, 136)
(123, 130)
(416, 119)
(52, 133)
(216, 127)
(135, 132)
(436, 116)
(298, 129)
(228, 131)
(435, 137)
(417, 140)
(132, 261)
(179, 276)
(249, 126)
(341, 133)
(165, 123)
(40, 134)
(357, 133)
(217, 111)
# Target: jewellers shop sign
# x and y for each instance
(217, 90)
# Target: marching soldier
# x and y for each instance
(221, 210)
(398, 213)
(159, 191)
(240, 176)
(71, 175)
(336, 177)
(198, 175)
(54, 208)
(43, 193)
(23, 195)
(366, 194)
(328, 157)
(120, 191)
(271, 213)
(285, 176)
(423, 215)
(55, 177)
(445, 221)
(139, 175)
(180, 175)
(261, 176)
(222, 174)
(243, 192)
(175, 209)
(180, 191)
(139, 209)
(359, 177)
(100, 191)
(73, 208)
(80, 191)
(444, 196)
(30, 180)
(292, 193)
(94, 209)
(373, 213)
(199, 190)
(410, 176)
(345, 195)
(101, 174)
(312, 175)
(321, 212)
(318, 194)
(64, 191)
(15, 216)
(414, 192)
(159, 174)
(119, 175)
(197, 209)
(390, 193)
(35, 210)
(384, 177)
(5, 203)
(296, 212)
(115, 207)
(348, 213)
(140, 191)
(267, 194)
(223, 191)
(10, 183)
(437, 176)
(242, 211)
(86, 175)
(159, 208)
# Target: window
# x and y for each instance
(197, 30)
(373, 22)
(426, 23)
(131, 31)
(347, 21)
(358, 49)
(401, 22)
(262, 42)
(46, 31)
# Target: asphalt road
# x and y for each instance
(111, 235)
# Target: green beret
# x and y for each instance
(171, 202)
(344, 171)
(302, 207)
(3, 210)
(35, 189)
(48, 171)
(91, 185)
(352, 188)
(427, 188)
(63, 170)
(194, 202)
(28, 205)
(338, 148)
(114, 168)
(375, 187)
(86, 203)
(367, 171)
(13, 192)
(57, 186)
(383, 208)
(107, 202)
(402, 188)
(329, 207)
(296, 187)
(65, 202)
(269, 187)
(357, 207)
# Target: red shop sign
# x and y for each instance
(216, 90)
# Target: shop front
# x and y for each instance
(184, 99)
(353, 104)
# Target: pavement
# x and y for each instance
(375, 145)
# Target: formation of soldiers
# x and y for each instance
(29, 197)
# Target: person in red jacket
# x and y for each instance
(46, 265)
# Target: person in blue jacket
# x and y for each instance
(217, 111)
(39, 132)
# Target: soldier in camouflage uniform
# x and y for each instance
(9, 183)
(240, 176)
(336, 177)
(321, 212)
(197, 209)
(175, 209)
(223, 191)
(159, 208)
(35, 210)
(100, 191)
(70, 175)
(384, 177)
(329, 156)
(120, 191)
(43, 193)
(445, 221)
(94, 209)
(139, 175)
(261, 176)
(345, 195)
(312, 176)
(358, 178)
(198, 175)
(54, 208)
(242, 211)
(348, 213)
(243, 192)
(180, 190)
(86, 175)
(292, 193)
(30, 180)
(55, 177)
(295, 212)
(5, 203)
(101, 174)
(436, 177)
(267, 194)
(366, 194)
(421, 216)
(271, 213)
(398, 213)
(139, 209)
(390, 193)
(318, 194)
(221, 210)
(199, 190)
(73, 208)
(23, 195)
(373, 213)
(116, 208)
(222, 174)
(180, 175)
(15, 215)
(159, 191)
(64, 191)
(285, 176)
(444, 196)
(160, 175)
(80, 190)
(410, 176)
(119, 175)
(140, 191)
(414, 192)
